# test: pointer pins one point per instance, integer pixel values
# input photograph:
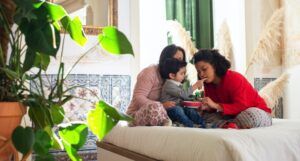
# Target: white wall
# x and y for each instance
(144, 22)
(233, 12)
(291, 101)
(96, 62)
(292, 59)
(124, 16)
(128, 22)
(153, 36)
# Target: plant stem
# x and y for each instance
(2, 61)
(41, 85)
(82, 56)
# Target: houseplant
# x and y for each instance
(34, 41)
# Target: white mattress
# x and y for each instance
(280, 142)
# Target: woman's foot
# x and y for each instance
(230, 125)
(167, 122)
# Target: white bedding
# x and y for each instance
(280, 142)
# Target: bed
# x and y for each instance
(280, 142)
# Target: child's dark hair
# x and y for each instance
(213, 57)
(167, 53)
(171, 65)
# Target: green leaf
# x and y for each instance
(197, 94)
(103, 118)
(56, 12)
(43, 38)
(38, 4)
(57, 113)
(42, 14)
(74, 28)
(42, 142)
(74, 134)
(57, 144)
(23, 139)
(56, 25)
(114, 41)
(24, 26)
(73, 138)
(99, 122)
(112, 112)
(29, 59)
(72, 152)
(38, 112)
(42, 61)
(24, 11)
(10, 74)
(186, 84)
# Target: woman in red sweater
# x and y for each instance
(229, 94)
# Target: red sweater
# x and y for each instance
(235, 94)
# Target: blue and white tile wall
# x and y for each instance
(114, 89)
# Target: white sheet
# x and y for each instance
(280, 142)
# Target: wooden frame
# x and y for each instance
(124, 152)
(112, 19)
(92, 30)
(113, 13)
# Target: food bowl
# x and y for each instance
(191, 104)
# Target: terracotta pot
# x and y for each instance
(11, 114)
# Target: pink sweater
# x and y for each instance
(147, 89)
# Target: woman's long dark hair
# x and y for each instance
(167, 53)
(213, 57)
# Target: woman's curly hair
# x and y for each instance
(213, 57)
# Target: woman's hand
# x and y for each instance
(211, 104)
(169, 104)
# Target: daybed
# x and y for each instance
(280, 142)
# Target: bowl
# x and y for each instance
(191, 104)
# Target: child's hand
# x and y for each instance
(169, 104)
(199, 84)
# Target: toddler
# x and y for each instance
(174, 72)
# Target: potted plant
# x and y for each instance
(33, 41)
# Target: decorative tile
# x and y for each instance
(114, 89)
(259, 83)
(120, 89)
(105, 86)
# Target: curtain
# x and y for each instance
(197, 18)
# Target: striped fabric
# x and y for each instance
(253, 117)
(250, 118)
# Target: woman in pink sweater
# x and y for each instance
(145, 107)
